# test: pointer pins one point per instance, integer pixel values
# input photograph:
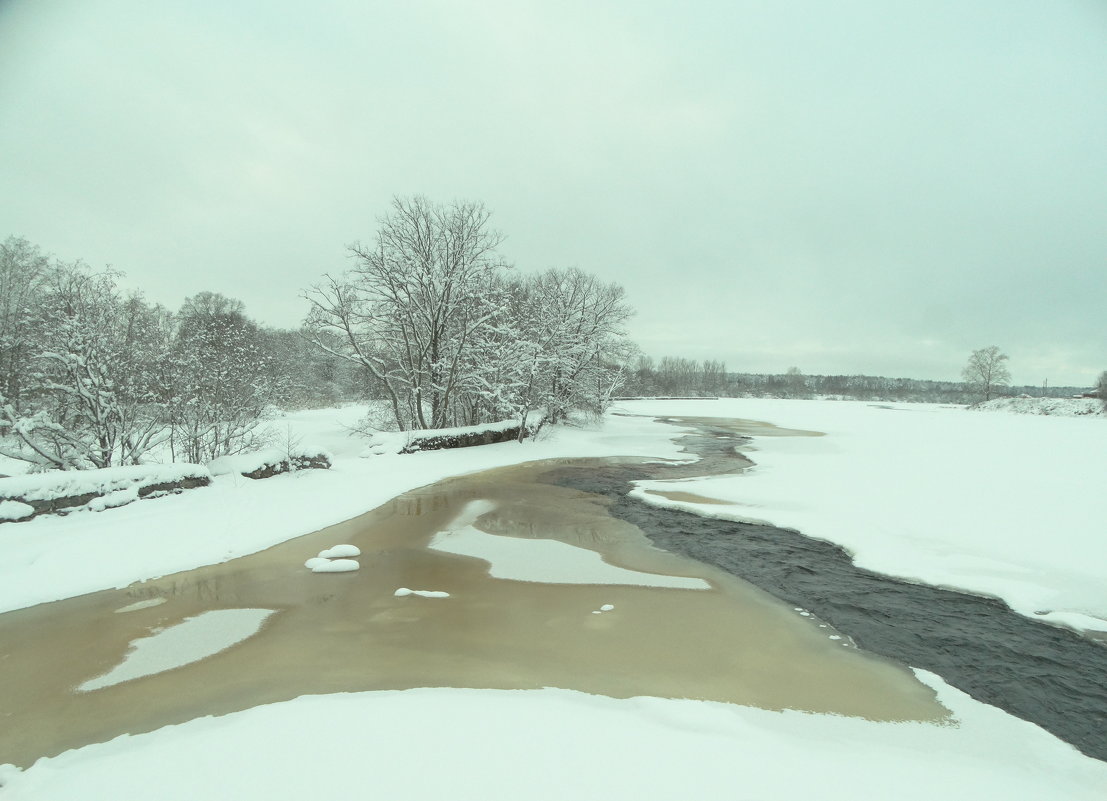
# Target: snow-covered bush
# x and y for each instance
(64, 491)
(1066, 407)
(271, 461)
(466, 436)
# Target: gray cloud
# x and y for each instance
(848, 187)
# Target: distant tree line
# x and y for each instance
(672, 376)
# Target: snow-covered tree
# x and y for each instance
(217, 379)
(413, 304)
(90, 400)
(577, 350)
(23, 269)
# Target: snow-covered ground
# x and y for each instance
(480, 745)
(1007, 504)
(1067, 407)
(1000, 504)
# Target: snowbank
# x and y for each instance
(468, 436)
(1069, 407)
(269, 462)
(558, 744)
(63, 491)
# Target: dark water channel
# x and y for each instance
(1040, 673)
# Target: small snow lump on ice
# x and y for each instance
(343, 551)
(334, 560)
(335, 566)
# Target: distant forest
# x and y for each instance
(689, 378)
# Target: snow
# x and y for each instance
(193, 639)
(1070, 407)
(61, 484)
(545, 561)
(474, 745)
(256, 460)
(343, 550)
(15, 510)
(1005, 505)
(333, 565)
(403, 592)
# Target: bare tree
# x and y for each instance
(1101, 389)
(986, 372)
(413, 303)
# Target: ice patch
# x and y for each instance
(548, 561)
(189, 641)
(149, 602)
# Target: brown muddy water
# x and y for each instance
(349, 632)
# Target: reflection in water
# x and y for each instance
(349, 632)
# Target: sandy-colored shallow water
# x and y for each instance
(349, 631)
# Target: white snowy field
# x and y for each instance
(484, 745)
(1008, 505)
(996, 503)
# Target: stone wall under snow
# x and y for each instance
(63, 491)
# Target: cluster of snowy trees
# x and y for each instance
(92, 376)
(451, 337)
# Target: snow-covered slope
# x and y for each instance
(1066, 407)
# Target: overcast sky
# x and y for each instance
(845, 187)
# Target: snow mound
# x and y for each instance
(15, 510)
(66, 483)
(1062, 407)
(337, 551)
(333, 565)
(270, 461)
(403, 592)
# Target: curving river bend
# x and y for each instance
(1044, 674)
